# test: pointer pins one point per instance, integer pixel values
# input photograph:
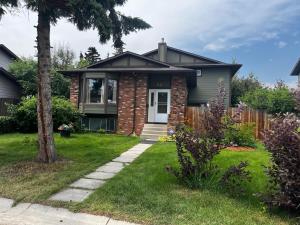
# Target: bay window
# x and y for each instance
(101, 90)
(95, 90)
(112, 91)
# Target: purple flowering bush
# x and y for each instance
(196, 149)
(282, 140)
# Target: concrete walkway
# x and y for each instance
(35, 214)
(82, 188)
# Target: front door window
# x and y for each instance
(162, 102)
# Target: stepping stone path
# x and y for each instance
(82, 188)
(36, 214)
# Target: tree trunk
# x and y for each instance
(47, 153)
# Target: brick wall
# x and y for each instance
(141, 103)
(74, 90)
(126, 100)
(178, 100)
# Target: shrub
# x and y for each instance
(241, 85)
(233, 179)
(242, 135)
(7, 125)
(297, 100)
(274, 100)
(25, 113)
(283, 142)
(196, 150)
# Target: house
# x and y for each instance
(10, 89)
(296, 71)
(146, 93)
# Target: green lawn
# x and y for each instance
(145, 193)
(23, 179)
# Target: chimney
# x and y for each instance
(162, 50)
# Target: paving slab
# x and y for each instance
(71, 194)
(118, 222)
(90, 184)
(109, 169)
(5, 204)
(115, 164)
(100, 175)
(78, 190)
(19, 209)
(125, 158)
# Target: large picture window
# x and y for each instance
(112, 91)
(95, 91)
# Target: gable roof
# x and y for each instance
(208, 60)
(126, 54)
(8, 52)
(8, 75)
(296, 69)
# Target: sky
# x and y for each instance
(264, 36)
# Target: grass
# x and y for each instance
(24, 179)
(145, 193)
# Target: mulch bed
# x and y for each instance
(240, 149)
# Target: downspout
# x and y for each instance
(134, 106)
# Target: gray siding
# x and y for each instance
(174, 57)
(8, 88)
(4, 60)
(207, 85)
(98, 109)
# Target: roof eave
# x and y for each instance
(174, 70)
(9, 52)
(234, 67)
(296, 69)
(131, 54)
(9, 76)
(185, 52)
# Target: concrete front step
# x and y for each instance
(156, 125)
(150, 137)
(154, 131)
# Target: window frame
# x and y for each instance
(114, 91)
(105, 77)
(87, 91)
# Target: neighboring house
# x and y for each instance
(127, 91)
(296, 71)
(10, 90)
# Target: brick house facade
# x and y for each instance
(132, 106)
(126, 92)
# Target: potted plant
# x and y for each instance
(65, 130)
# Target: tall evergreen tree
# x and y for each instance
(92, 55)
(85, 14)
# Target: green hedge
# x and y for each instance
(7, 124)
(25, 114)
(242, 135)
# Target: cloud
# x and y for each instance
(281, 44)
(215, 25)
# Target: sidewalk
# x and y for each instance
(35, 214)
(84, 187)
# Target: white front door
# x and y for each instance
(159, 105)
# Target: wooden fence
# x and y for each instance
(3, 106)
(260, 118)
